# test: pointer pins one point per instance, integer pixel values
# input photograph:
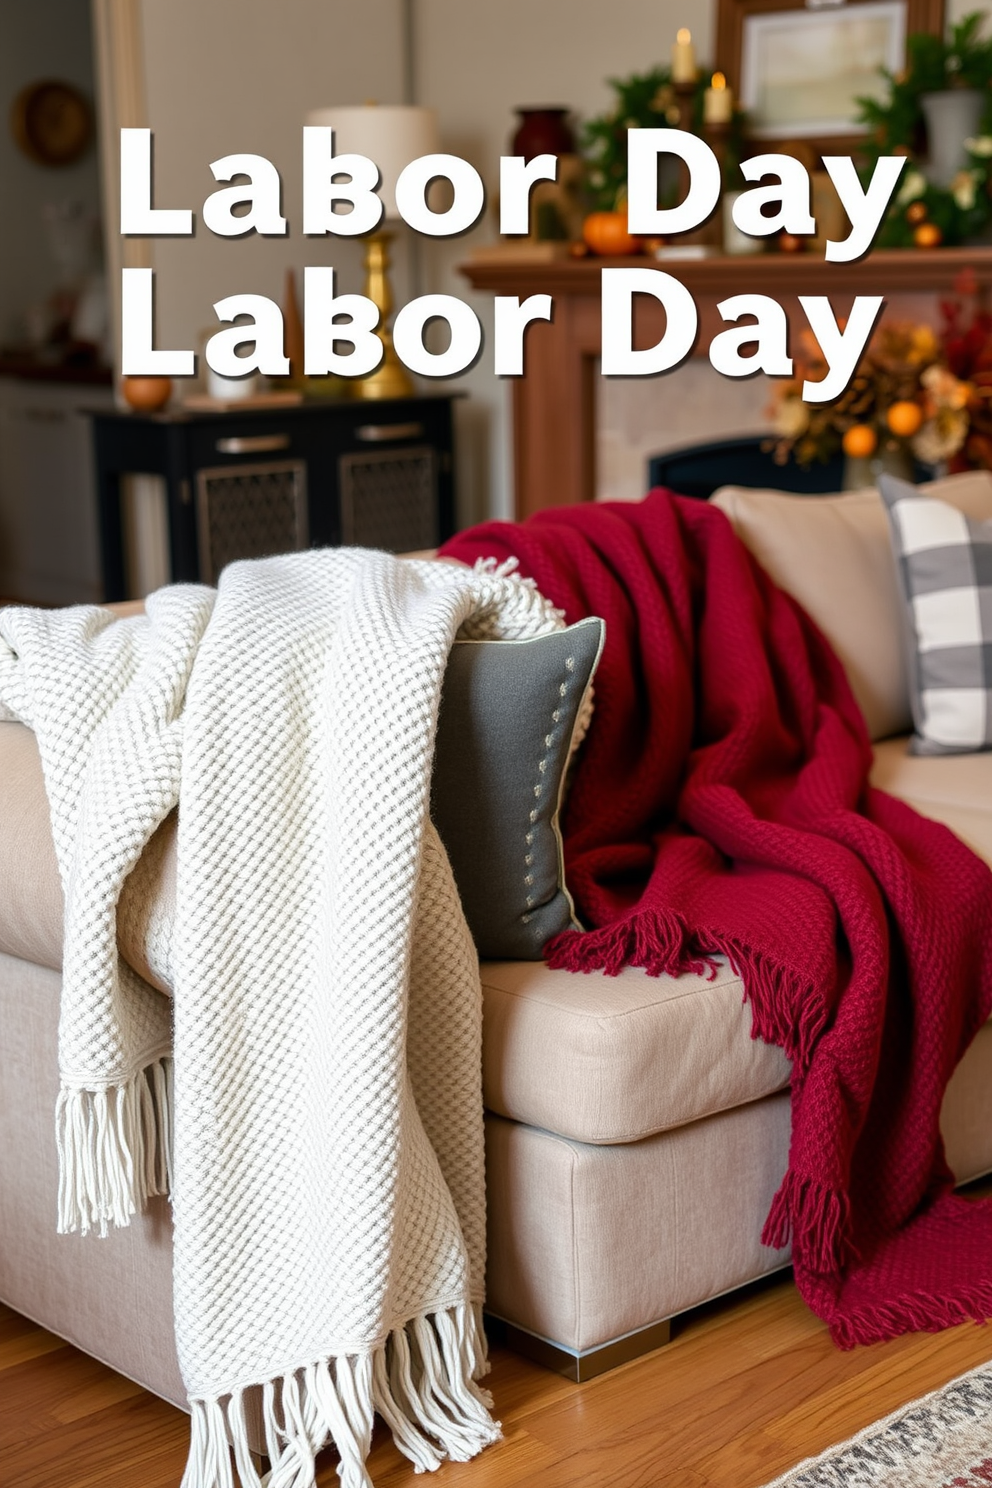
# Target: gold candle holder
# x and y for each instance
(390, 379)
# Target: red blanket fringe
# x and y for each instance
(815, 1219)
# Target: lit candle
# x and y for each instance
(683, 57)
(718, 101)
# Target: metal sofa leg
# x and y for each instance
(572, 1363)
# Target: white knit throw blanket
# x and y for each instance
(324, 1126)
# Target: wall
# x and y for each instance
(239, 75)
(40, 39)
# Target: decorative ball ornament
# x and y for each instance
(791, 243)
(904, 418)
(860, 441)
(927, 235)
(916, 213)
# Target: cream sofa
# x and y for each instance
(636, 1133)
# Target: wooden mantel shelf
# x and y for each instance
(554, 403)
(889, 271)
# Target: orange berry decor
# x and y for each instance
(860, 441)
(928, 235)
(904, 418)
(606, 234)
(916, 213)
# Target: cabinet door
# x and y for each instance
(49, 540)
(393, 475)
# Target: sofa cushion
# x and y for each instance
(615, 1059)
(944, 563)
(953, 789)
(834, 555)
(30, 891)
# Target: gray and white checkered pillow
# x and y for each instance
(945, 570)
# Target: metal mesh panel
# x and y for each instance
(389, 499)
(250, 511)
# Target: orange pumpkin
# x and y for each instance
(146, 394)
(607, 235)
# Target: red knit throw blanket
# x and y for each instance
(722, 805)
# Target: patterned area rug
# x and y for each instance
(943, 1440)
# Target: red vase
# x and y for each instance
(543, 131)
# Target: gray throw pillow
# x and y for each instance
(508, 714)
(944, 560)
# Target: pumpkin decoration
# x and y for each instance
(607, 235)
(146, 394)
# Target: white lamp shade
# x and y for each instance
(390, 135)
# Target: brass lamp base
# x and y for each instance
(390, 379)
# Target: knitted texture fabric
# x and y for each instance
(326, 1106)
(722, 805)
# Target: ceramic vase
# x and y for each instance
(543, 131)
(890, 459)
(736, 242)
(952, 116)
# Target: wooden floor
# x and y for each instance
(747, 1388)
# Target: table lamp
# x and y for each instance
(392, 136)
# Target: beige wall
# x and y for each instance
(239, 75)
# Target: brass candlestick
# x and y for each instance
(390, 379)
(710, 234)
(684, 95)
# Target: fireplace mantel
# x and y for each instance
(554, 403)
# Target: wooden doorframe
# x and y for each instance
(122, 103)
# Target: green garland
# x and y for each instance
(896, 127)
(644, 101)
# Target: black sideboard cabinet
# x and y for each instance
(253, 481)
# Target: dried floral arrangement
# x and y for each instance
(904, 398)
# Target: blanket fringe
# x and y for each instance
(663, 944)
(115, 1149)
(816, 1219)
(916, 1312)
(421, 1383)
(659, 941)
(785, 1010)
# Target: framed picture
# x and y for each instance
(798, 68)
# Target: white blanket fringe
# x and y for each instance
(115, 1149)
(420, 1381)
